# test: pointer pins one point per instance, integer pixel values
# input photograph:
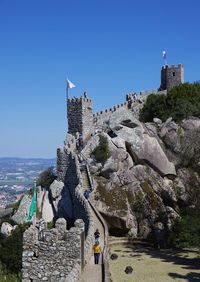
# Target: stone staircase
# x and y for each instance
(85, 180)
(92, 272)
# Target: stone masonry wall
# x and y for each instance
(171, 76)
(69, 173)
(50, 255)
(133, 102)
(80, 116)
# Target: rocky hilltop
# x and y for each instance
(148, 175)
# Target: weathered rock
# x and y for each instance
(163, 129)
(128, 270)
(171, 135)
(22, 212)
(7, 228)
(56, 188)
(47, 211)
(157, 121)
(187, 186)
(172, 216)
(119, 142)
(142, 147)
(191, 123)
(114, 256)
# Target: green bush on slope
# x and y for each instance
(180, 102)
(101, 152)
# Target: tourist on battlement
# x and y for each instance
(97, 252)
(87, 194)
(97, 235)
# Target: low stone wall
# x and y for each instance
(49, 255)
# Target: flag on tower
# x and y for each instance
(33, 206)
(70, 84)
(164, 54)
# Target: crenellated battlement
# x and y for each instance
(50, 255)
(79, 100)
(178, 66)
(134, 102)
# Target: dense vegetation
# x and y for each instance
(11, 255)
(46, 178)
(101, 152)
(180, 102)
(186, 231)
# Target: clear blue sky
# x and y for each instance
(106, 47)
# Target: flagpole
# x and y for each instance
(67, 89)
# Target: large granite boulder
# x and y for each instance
(172, 134)
(141, 146)
(134, 197)
(21, 215)
(7, 228)
(191, 123)
(62, 205)
(47, 210)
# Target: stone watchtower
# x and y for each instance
(80, 116)
(171, 76)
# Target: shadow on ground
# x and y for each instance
(175, 256)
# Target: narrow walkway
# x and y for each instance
(93, 272)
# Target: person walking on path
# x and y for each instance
(97, 252)
(97, 235)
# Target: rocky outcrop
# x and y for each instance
(7, 228)
(47, 211)
(61, 200)
(138, 186)
(22, 212)
(141, 146)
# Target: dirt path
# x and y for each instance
(152, 265)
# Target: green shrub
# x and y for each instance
(46, 178)
(6, 277)
(186, 231)
(50, 225)
(101, 152)
(11, 251)
(180, 102)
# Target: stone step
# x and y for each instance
(92, 273)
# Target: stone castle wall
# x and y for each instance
(50, 255)
(59, 254)
(133, 102)
(171, 76)
(69, 172)
(80, 116)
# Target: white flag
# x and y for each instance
(70, 84)
(164, 54)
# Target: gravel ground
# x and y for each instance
(150, 265)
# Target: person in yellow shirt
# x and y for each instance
(97, 252)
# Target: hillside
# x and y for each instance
(151, 175)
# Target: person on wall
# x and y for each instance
(97, 235)
(97, 252)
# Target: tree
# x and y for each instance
(155, 106)
(46, 178)
(180, 102)
(11, 250)
(101, 152)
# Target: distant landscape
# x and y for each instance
(17, 176)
